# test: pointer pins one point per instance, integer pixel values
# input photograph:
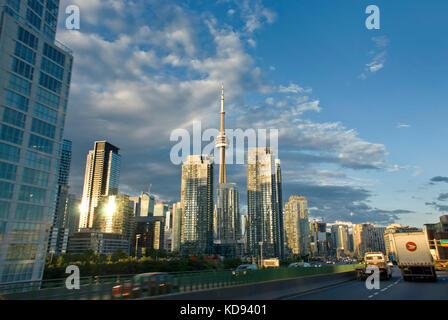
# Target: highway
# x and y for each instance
(393, 289)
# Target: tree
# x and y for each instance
(118, 255)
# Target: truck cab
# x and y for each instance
(375, 259)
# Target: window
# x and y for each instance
(17, 101)
(14, 117)
(45, 113)
(28, 38)
(25, 53)
(50, 83)
(54, 54)
(25, 231)
(21, 252)
(11, 134)
(36, 177)
(8, 171)
(22, 68)
(15, 4)
(17, 272)
(49, 33)
(9, 153)
(52, 7)
(43, 128)
(20, 85)
(36, 6)
(40, 144)
(6, 190)
(32, 18)
(47, 98)
(51, 68)
(32, 194)
(29, 212)
(51, 20)
(38, 161)
(4, 211)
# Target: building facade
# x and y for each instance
(297, 226)
(101, 179)
(368, 238)
(35, 78)
(264, 225)
(59, 231)
(197, 205)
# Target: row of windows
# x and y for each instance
(17, 272)
(25, 53)
(8, 171)
(9, 153)
(47, 98)
(54, 54)
(20, 85)
(35, 177)
(11, 134)
(29, 212)
(17, 101)
(40, 144)
(28, 38)
(21, 252)
(23, 231)
(24, 211)
(43, 128)
(45, 113)
(14, 117)
(38, 161)
(50, 83)
(51, 68)
(32, 194)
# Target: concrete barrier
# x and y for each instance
(268, 290)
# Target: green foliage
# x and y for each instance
(92, 264)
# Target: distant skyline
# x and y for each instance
(361, 113)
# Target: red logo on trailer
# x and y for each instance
(411, 246)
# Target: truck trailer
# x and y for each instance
(411, 251)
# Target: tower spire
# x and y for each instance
(221, 142)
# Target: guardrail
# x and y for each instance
(127, 287)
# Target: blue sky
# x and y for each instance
(362, 112)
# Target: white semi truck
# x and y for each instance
(411, 251)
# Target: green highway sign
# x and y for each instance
(444, 243)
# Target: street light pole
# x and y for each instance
(136, 244)
(261, 253)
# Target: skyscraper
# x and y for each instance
(58, 236)
(264, 232)
(35, 77)
(177, 227)
(368, 238)
(297, 225)
(227, 223)
(101, 179)
(197, 205)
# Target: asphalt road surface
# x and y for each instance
(393, 289)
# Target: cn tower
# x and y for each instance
(221, 143)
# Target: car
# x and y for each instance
(247, 267)
(299, 265)
(144, 282)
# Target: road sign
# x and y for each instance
(411, 246)
(444, 243)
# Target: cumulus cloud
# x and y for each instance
(150, 67)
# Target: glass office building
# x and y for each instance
(35, 73)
